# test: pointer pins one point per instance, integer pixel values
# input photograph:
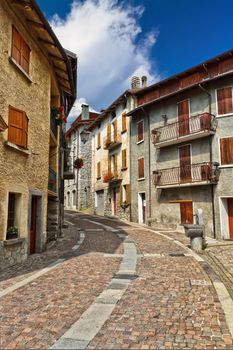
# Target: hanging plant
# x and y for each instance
(108, 176)
(78, 163)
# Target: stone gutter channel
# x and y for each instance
(92, 320)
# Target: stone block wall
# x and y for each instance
(12, 252)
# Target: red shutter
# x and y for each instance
(140, 130)
(18, 127)
(226, 146)
(224, 97)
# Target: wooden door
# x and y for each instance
(114, 202)
(185, 163)
(186, 212)
(230, 216)
(183, 117)
(33, 225)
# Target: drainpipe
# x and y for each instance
(149, 157)
(211, 158)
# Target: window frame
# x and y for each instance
(222, 166)
(13, 58)
(216, 98)
(141, 178)
(142, 140)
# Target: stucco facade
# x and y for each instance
(24, 171)
(164, 194)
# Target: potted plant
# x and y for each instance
(124, 205)
(12, 232)
(78, 163)
(108, 176)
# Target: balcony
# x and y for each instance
(188, 175)
(196, 127)
(52, 184)
(112, 176)
(112, 141)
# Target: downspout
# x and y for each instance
(149, 158)
(211, 158)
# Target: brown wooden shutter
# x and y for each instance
(141, 168)
(226, 146)
(115, 166)
(127, 194)
(140, 130)
(225, 103)
(115, 130)
(121, 199)
(124, 163)
(18, 127)
(109, 132)
(16, 45)
(123, 121)
(186, 212)
(98, 170)
(98, 140)
(25, 56)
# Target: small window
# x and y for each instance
(124, 160)
(225, 101)
(20, 50)
(98, 140)
(125, 194)
(226, 146)
(123, 123)
(140, 131)
(98, 170)
(11, 210)
(18, 127)
(141, 174)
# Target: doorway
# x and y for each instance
(230, 216)
(183, 117)
(33, 226)
(141, 208)
(186, 212)
(185, 163)
(100, 202)
(226, 217)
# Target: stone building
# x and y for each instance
(78, 190)
(182, 146)
(111, 158)
(37, 77)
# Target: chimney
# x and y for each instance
(135, 83)
(85, 111)
(144, 81)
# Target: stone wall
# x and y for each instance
(13, 252)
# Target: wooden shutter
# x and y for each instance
(25, 56)
(123, 121)
(98, 171)
(186, 212)
(127, 194)
(115, 166)
(226, 146)
(109, 132)
(109, 163)
(20, 50)
(225, 102)
(115, 130)
(124, 163)
(18, 127)
(121, 192)
(141, 168)
(98, 140)
(140, 131)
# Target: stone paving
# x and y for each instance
(171, 304)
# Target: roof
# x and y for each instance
(204, 72)
(79, 122)
(63, 62)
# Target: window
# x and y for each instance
(98, 171)
(20, 50)
(140, 131)
(18, 127)
(123, 157)
(226, 147)
(141, 168)
(125, 194)
(225, 101)
(11, 210)
(123, 122)
(98, 140)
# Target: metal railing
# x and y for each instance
(195, 124)
(53, 124)
(112, 140)
(202, 172)
(111, 175)
(52, 183)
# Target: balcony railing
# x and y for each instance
(201, 125)
(53, 125)
(113, 140)
(203, 173)
(52, 185)
(68, 165)
(111, 176)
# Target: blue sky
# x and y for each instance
(186, 32)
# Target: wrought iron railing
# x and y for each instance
(52, 185)
(202, 172)
(195, 124)
(53, 124)
(112, 140)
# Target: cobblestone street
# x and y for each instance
(111, 285)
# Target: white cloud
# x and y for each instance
(103, 34)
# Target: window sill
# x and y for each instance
(224, 115)
(140, 142)
(20, 69)
(17, 148)
(125, 168)
(123, 131)
(14, 241)
(225, 166)
(141, 179)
